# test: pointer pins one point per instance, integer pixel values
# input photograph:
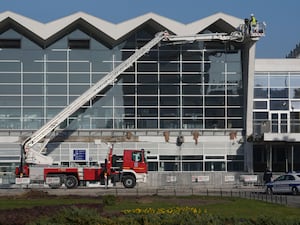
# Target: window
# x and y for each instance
(215, 157)
(10, 43)
(260, 92)
(79, 44)
(260, 105)
(137, 156)
(192, 166)
(278, 81)
(214, 166)
(152, 166)
(289, 177)
(279, 105)
(235, 166)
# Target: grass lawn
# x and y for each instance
(223, 206)
(244, 208)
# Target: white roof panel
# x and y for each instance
(116, 31)
(277, 65)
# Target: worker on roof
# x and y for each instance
(253, 23)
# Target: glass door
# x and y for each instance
(279, 122)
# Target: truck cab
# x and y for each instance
(130, 168)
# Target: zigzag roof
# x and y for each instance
(46, 33)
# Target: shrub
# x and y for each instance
(71, 216)
(109, 200)
(149, 216)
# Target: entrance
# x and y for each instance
(279, 157)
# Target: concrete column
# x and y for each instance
(249, 69)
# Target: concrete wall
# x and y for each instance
(202, 179)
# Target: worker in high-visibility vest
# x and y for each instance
(253, 23)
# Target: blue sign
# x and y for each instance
(79, 154)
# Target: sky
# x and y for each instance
(282, 17)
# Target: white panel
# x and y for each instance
(153, 139)
(269, 65)
(9, 139)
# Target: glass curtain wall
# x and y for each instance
(277, 100)
(181, 86)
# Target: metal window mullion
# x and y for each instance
(68, 82)
(158, 91)
(136, 85)
(45, 88)
(113, 97)
(90, 102)
(180, 90)
(136, 95)
(22, 97)
(203, 91)
(226, 93)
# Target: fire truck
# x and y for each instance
(133, 168)
(128, 169)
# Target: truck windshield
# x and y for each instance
(137, 156)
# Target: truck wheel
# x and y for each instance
(71, 181)
(129, 181)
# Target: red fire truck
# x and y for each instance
(128, 169)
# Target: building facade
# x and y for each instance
(190, 104)
(276, 114)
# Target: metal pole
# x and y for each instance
(271, 155)
(292, 158)
(180, 159)
(286, 160)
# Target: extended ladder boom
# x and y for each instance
(35, 156)
(234, 36)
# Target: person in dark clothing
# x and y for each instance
(247, 26)
(267, 176)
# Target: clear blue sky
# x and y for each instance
(282, 17)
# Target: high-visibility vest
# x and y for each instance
(253, 21)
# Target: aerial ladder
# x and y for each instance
(35, 153)
(234, 36)
(35, 156)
